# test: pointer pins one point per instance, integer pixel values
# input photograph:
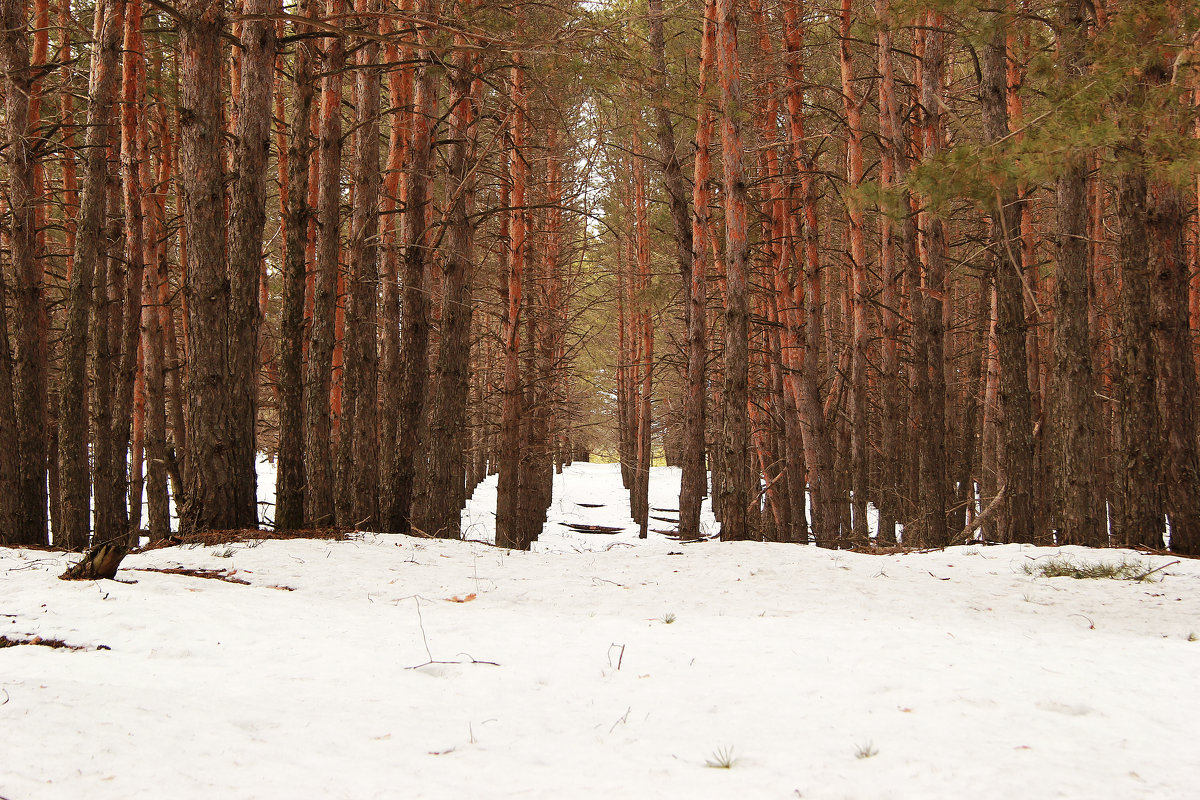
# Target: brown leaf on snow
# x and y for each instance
(466, 598)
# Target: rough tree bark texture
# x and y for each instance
(803, 316)
(133, 126)
(891, 155)
(1176, 373)
(318, 456)
(212, 492)
(735, 438)
(414, 316)
(88, 261)
(644, 331)
(247, 217)
(289, 499)
(508, 523)
(860, 430)
(1015, 409)
(1081, 517)
(10, 534)
(932, 475)
(358, 460)
(448, 415)
(29, 289)
(693, 481)
(1140, 453)
(691, 493)
(391, 388)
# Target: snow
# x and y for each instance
(966, 676)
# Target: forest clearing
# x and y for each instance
(599, 666)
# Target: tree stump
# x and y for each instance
(99, 562)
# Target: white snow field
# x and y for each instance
(598, 667)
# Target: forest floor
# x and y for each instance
(597, 666)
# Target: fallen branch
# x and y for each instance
(1145, 575)
(212, 574)
(984, 515)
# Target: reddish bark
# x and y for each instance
(318, 460)
(212, 490)
(508, 518)
(414, 333)
(73, 408)
(735, 499)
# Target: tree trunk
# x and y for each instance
(1017, 425)
(448, 415)
(1176, 373)
(891, 154)
(391, 383)
(735, 439)
(252, 135)
(290, 486)
(318, 457)
(693, 480)
(73, 407)
(133, 152)
(10, 531)
(359, 443)
(29, 288)
(1081, 520)
(414, 317)
(508, 518)
(859, 427)
(212, 487)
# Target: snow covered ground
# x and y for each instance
(597, 667)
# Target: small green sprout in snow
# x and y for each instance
(669, 617)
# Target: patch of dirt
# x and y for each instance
(57, 644)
